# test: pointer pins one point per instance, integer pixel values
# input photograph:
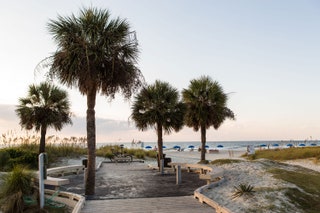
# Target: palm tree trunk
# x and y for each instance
(42, 139)
(203, 143)
(160, 143)
(91, 140)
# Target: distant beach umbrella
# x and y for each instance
(290, 144)
(148, 147)
(263, 145)
(313, 144)
(176, 147)
(220, 146)
(164, 147)
(191, 146)
(275, 144)
(207, 146)
(302, 144)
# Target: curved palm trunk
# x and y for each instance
(160, 143)
(203, 143)
(91, 141)
(42, 139)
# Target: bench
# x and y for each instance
(206, 172)
(203, 169)
(56, 182)
(212, 176)
(122, 159)
(62, 170)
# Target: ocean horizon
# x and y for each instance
(219, 144)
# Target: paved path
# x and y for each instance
(180, 204)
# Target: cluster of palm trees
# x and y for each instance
(98, 55)
(159, 106)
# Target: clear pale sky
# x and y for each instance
(265, 53)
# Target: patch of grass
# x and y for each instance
(287, 154)
(307, 193)
(224, 161)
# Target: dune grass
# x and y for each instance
(23, 150)
(109, 151)
(224, 161)
(307, 193)
(287, 154)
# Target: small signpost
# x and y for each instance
(42, 176)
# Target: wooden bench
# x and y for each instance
(122, 159)
(56, 182)
(212, 176)
(203, 169)
(206, 172)
(62, 170)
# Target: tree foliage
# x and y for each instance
(46, 106)
(96, 54)
(206, 106)
(158, 106)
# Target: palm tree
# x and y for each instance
(96, 54)
(45, 106)
(158, 106)
(206, 105)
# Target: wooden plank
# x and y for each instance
(159, 204)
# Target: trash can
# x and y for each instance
(85, 162)
(165, 161)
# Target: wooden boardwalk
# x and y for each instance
(148, 205)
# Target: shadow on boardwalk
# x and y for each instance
(135, 180)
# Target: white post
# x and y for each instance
(162, 166)
(178, 174)
(41, 179)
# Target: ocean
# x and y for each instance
(234, 145)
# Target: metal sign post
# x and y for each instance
(42, 176)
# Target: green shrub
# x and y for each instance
(14, 186)
(151, 154)
(4, 159)
(109, 154)
(140, 154)
(14, 152)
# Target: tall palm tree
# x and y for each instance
(158, 106)
(96, 54)
(45, 106)
(206, 106)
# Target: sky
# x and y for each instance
(264, 53)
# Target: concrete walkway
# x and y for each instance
(180, 204)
